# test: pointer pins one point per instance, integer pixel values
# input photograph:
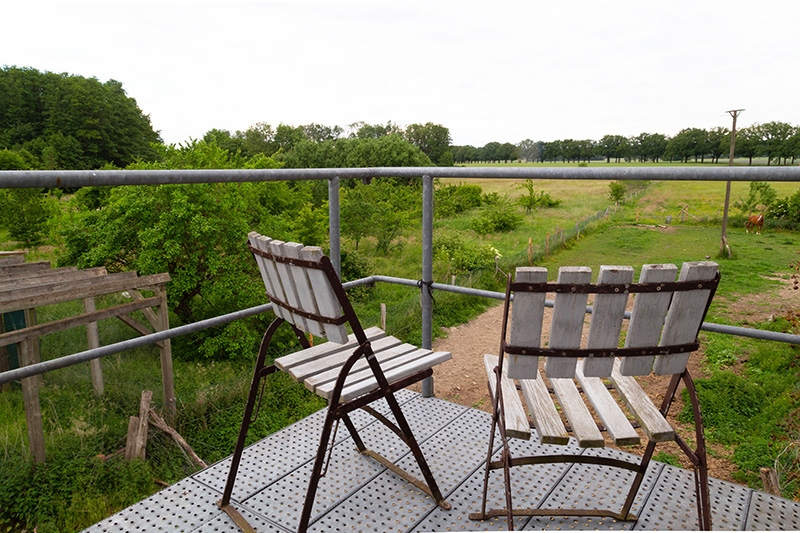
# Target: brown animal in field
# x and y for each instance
(755, 223)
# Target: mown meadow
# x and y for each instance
(749, 398)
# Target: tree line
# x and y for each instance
(60, 121)
(779, 142)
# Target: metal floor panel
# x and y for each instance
(183, 506)
(773, 513)
(672, 503)
(359, 494)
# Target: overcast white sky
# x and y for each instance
(490, 71)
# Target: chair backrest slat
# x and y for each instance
(526, 323)
(305, 293)
(608, 312)
(286, 281)
(268, 273)
(685, 315)
(647, 318)
(326, 300)
(567, 327)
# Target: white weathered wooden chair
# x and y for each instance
(661, 334)
(351, 371)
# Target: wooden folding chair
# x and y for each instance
(661, 334)
(351, 371)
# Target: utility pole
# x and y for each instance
(724, 245)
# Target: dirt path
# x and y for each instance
(463, 379)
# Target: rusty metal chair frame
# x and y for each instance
(336, 410)
(697, 456)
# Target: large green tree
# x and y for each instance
(71, 122)
(434, 140)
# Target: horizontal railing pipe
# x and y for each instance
(14, 179)
(96, 353)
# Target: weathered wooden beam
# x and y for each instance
(14, 257)
(51, 276)
(57, 293)
(93, 341)
(140, 442)
(22, 269)
(149, 314)
(130, 441)
(13, 337)
(33, 409)
(167, 375)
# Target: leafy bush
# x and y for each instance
(532, 200)
(617, 191)
(760, 197)
(461, 251)
(498, 217)
(451, 200)
(787, 209)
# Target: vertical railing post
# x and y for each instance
(333, 221)
(427, 273)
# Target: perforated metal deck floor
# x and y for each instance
(360, 495)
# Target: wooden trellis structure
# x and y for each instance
(26, 286)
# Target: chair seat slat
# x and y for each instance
(291, 360)
(608, 410)
(517, 425)
(545, 416)
(580, 419)
(396, 374)
(381, 355)
(301, 373)
(655, 426)
(391, 357)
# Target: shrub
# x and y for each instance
(451, 200)
(616, 191)
(461, 252)
(498, 217)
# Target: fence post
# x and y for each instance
(167, 377)
(30, 399)
(383, 316)
(427, 273)
(93, 341)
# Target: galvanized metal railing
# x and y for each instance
(85, 178)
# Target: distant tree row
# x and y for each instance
(779, 142)
(317, 143)
(60, 121)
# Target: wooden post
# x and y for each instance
(769, 477)
(167, 377)
(130, 443)
(4, 359)
(547, 245)
(138, 448)
(637, 214)
(383, 316)
(36, 355)
(30, 398)
(93, 341)
(530, 251)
